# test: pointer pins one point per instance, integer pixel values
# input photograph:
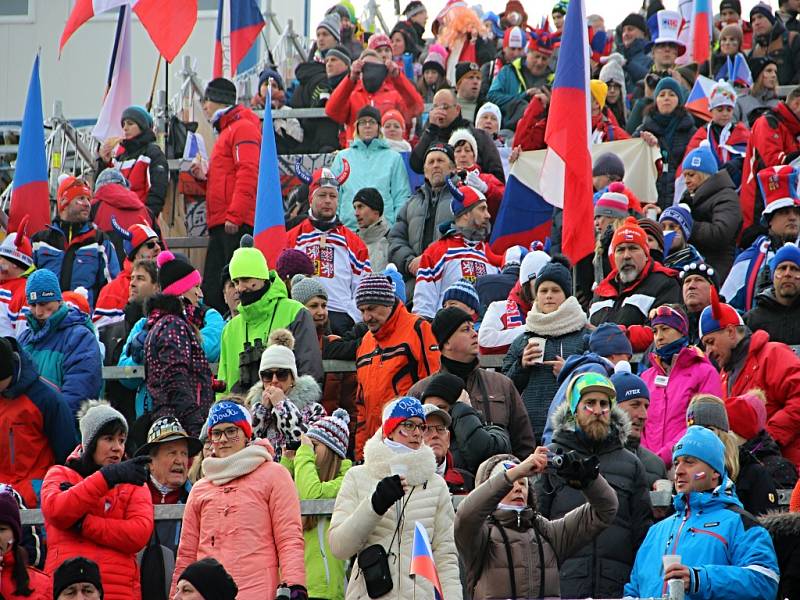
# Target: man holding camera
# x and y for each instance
(590, 428)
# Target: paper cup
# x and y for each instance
(670, 559)
(663, 485)
(540, 342)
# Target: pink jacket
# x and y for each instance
(691, 374)
(251, 525)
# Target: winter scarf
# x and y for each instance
(220, 471)
(565, 319)
(669, 124)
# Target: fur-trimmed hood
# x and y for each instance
(166, 303)
(564, 429)
(306, 391)
(379, 459)
(781, 524)
(484, 472)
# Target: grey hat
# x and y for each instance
(93, 416)
(707, 412)
(110, 176)
(333, 23)
(431, 410)
(305, 288)
(608, 164)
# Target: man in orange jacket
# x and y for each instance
(398, 350)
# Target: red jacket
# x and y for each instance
(116, 524)
(350, 96)
(739, 136)
(40, 582)
(115, 200)
(531, 127)
(775, 369)
(110, 305)
(605, 124)
(232, 176)
(773, 141)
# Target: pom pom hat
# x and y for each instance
(717, 316)
(248, 261)
(333, 431)
(701, 159)
(175, 275)
(612, 203)
(465, 198)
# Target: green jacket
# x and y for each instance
(275, 310)
(324, 572)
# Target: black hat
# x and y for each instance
(446, 322)
(464, 68)
(413, 8)
(76, 570)
(635, 20)
(211, 579)
(6, 358)
(757, 65)
(175, 275)
(608, 164)
(734, 5)
(556, 272)
(369, 111)
(446, 386)
(371, 197)
(221, 90)
(440, 147)
(702, 269)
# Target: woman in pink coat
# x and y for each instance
(245, 512)
(678, 372)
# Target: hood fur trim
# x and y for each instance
(484, 472)
(564, 422)
(379, 459)
(306, 391)
(167, 302)
(781, 524)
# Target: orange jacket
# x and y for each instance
(388, 363)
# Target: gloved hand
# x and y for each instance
(580, 473)
(298, 592)
(133, 471)
(388, 491)
(136, 347)
(474, 180)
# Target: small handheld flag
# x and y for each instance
(422, 563)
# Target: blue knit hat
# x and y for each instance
(265, 75)
(397, 279)
(701, 159)
(628, 385)
(703, 444)
(42, 286)
(558, 274)
(682, 215)
(668, 83)
(463, 291)
(609, 339)
(788, 253)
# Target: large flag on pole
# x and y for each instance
(701, 31)
(30, 193)
(238, 24)
(118, 91)
(422, 563)
(566, 179)
(168, 22)
(269, 229)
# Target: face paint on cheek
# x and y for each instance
(700, 476)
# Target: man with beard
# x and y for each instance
(633, 398)
(636, 283)
(697, 280)
(592, 427)
(750, 360)
(778, 309)
(462, 253)
(750, 274)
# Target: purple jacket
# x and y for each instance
(691, 374)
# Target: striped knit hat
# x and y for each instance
(332, 431)
(375, 289)
(463, 291)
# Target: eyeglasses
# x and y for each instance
(410, 427)
(436, 428)
(270, 374)
(444, 106)
(231, 434)
(366, 121)
(662, 311)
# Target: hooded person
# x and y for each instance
(706, 504)
(590, 424)
(263, 515)
(17, 579)
(16, 263)
(378, 502)
(96, 506)
(498, 522)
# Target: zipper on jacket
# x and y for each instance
(678, 538)
(711, 533)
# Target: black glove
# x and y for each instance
(298, 592)
(133, 471)
(580, 473)
(388, 491)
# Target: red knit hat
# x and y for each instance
(69, 188)
(747, 414)
(630, 233)
(394, 115)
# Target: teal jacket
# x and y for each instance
(511, 82)
(324, 572)
(373, 165)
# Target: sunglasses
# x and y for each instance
(280, 374)
(151, 245)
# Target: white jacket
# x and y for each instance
(355, 525)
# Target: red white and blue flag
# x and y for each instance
(422, 563)
(238, 24)
(701, 31)
(30, 194)
(118, 86)
(269, 230)
(169, 23)
(566, 178)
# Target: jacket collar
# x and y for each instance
(611, 288)
(387, 329)
(722, 496)
(374, 232)
(379, 461)
(565, 431)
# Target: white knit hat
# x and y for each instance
(279, 353)
(489, 107)
(532, 264)
(464, 135)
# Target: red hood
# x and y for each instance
(789, 119)
(516, 295)
(118, 196)
(758, 339)
(608, 289)
(238, 112)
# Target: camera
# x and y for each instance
(563, 461)
(653, 78)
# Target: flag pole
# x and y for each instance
(149, 104)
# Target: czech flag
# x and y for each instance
(524, 214)
(701, 31)
(30, 193)
(566, 178)
(238, 24)
(697, 101)
(269, 229)
(118, 91)
(422, 563)
(168, 22)
(742, 76)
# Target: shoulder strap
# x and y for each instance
(510, 560)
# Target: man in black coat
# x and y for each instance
(777, 309)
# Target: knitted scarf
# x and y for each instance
(223, 470)
(565, 319)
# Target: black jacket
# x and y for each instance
(784, 528)
(488, 156)
(600, 569)
(763, 449)
(314, 88)
(653, 465)
(495, 287)
(717, 221)
(782, 323)
(783, 47)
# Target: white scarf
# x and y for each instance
(397, 447)
(223, 470)
(565, 319)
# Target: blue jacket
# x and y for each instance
(750, 274)
(637, 63)
(375, 165)
(84, 257)
(66, 352)
(730, 555)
